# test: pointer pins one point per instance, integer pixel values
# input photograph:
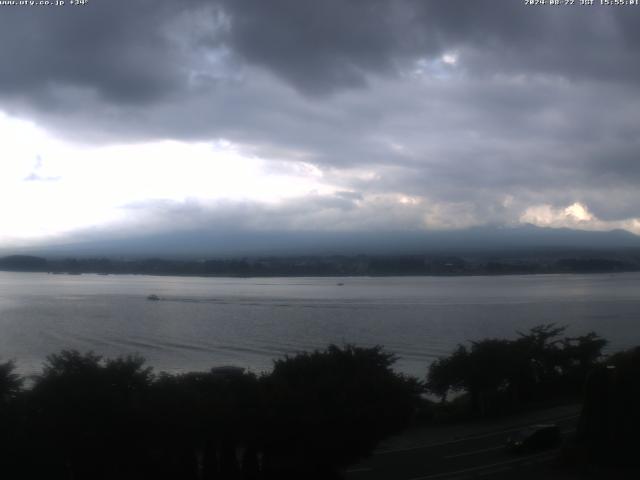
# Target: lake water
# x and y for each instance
(203, 322)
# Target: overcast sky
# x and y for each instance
(132, 116)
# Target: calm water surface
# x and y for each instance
(202, 322)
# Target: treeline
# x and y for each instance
(324, 266)
(610, 421)
(497, 375)
(86, 417)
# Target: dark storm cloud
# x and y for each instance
(320, 46)
(133, 51)
(120, 50)
(580, 43)
(539, 103)
(323, 46)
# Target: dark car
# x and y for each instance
(534, 438)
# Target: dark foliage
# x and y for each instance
(87, 417)
(10, 382)
(524, 262)
(610, 419)
(499, 375)
(332, 407)
(10, 425)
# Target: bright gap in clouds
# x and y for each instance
(450, 58)
(52, 188)
(49, 187)
(577, 216)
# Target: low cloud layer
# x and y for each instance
(341, 114)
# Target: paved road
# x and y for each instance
(473, 456)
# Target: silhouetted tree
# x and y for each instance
(447, 374)
(202, 420)
(11, 434)
(86, 415)
(610, 419)
(500, 373)
(329, 408)
(580, 354)
(10, 382)
(92, 418)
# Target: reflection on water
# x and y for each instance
(201, 322)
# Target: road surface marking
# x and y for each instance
(474, 452)
(473, 437)
(480, 468)
(499, 447)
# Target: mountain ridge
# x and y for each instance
(211, 243)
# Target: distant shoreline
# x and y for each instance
(334, 266)
(326, 275)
